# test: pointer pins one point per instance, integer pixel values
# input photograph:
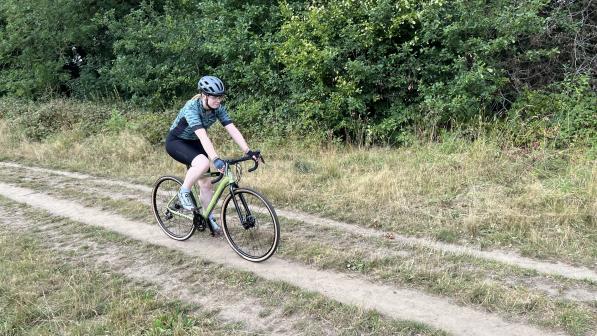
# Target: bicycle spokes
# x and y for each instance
(250, 224)
(168, 211)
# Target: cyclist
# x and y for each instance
(188, 142)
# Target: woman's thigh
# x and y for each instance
(184, 151)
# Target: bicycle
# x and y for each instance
(248, 220)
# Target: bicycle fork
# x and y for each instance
(247, 221)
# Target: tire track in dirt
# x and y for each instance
(552, 287)
(509, 258)
(169, 281)
(396, 303)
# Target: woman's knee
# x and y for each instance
(200, 161)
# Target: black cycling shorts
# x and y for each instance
(182, 150)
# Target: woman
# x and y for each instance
(188, 143)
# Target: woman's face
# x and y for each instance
(212, 102)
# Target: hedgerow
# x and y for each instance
(358, 71)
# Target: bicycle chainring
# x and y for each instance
(199, 222)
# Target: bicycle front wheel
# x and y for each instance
(166, 205)
(250, 224)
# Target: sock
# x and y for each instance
(183, 189)
(212, 219)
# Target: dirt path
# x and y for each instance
(394, 302)
(560, 269)
(168, 280)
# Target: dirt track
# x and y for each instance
(394, 302)
(510, 258)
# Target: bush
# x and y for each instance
(36, 45)
(39, 120)
(151, 126)
(562, 117)
(362, 72)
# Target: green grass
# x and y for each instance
(537, 202)
(470, 281)
(313, 313)
(42, 295)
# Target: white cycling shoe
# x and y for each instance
(186, 200)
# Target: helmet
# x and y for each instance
(211, 85)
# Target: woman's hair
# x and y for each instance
(196, 96)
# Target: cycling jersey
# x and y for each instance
(193, 117)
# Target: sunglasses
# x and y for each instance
(218, 98)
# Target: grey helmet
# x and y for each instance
(211, 85)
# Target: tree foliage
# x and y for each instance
(362, 71)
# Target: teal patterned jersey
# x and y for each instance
(193, 117)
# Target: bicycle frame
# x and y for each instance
(252, 236)
(227, 180)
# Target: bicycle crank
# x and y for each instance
(199, 222)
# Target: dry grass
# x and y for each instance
(475, 193)
(502, 289)
(42, 295)
(540, 202)
(105, 303)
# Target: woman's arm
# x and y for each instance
(206, 143)
(237, 137)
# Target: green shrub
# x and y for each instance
(360, 72)
(152, 126)
(36, 40)
(562, 117)
(39, 120)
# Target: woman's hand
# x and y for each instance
(255, 155)
(220, 165)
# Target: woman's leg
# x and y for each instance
(207, 191)
(199, 166)
(192, 154)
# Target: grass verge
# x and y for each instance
(470, 281)
(314, 314)
(42, 295)
(539, 202)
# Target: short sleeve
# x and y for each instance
(223, 117)
(191, 114)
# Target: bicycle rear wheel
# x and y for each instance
(165, 203)
(250, 225)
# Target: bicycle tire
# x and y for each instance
(176, 227)
(256, 236)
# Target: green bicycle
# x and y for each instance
(249, 221)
